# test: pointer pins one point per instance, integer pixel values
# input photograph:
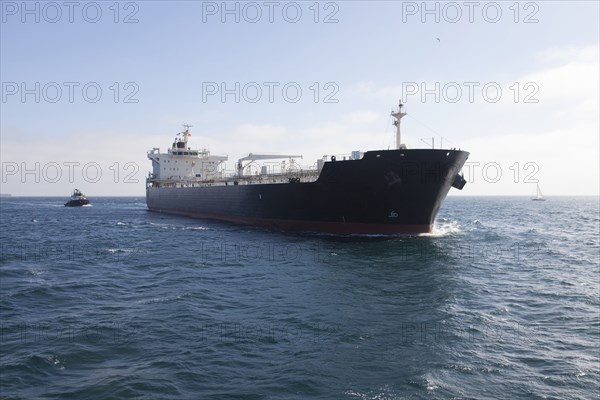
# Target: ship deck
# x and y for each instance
(303, 176)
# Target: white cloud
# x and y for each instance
(565, 162)
(559, 133)
(570, 53)
(114, 165)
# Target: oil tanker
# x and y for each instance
(391, 191)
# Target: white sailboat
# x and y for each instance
(539, 196)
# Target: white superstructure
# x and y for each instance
(181, 163)
(182, 166)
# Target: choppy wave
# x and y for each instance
(117, 302)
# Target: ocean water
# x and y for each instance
(112, 301)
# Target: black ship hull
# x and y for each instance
(77, 203)
(385, 192)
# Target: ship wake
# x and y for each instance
(443, 227)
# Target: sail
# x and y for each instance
(539, 195)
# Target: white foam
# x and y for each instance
(443, 228)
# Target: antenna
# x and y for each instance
(432, 142)
(186, 133)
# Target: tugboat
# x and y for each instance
(78, 199)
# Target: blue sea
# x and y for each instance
(112, 301)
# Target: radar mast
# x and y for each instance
(186, 133)
(398, 114)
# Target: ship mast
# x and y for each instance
(186, 133)
(398, 115)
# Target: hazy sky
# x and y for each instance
(89, 87)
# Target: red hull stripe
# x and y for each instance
(307, 226)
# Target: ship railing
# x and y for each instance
(284, 177)
(288, 173)
(341, 157)
(299, 176)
